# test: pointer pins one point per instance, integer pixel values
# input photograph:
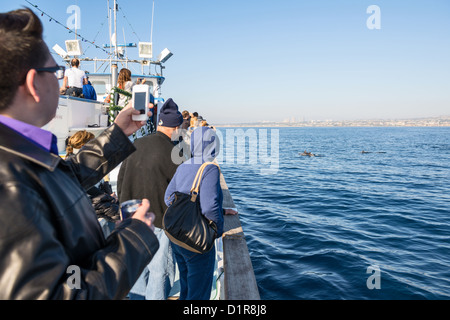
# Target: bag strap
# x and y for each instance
(198, 177)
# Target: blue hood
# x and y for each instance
(205, 145)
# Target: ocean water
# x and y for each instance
(347, 225)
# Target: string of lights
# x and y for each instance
(43, 13)
(132, 29)
(95, 38)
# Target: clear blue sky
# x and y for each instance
(253, 60)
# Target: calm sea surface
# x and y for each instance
(316, 225)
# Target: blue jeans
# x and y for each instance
(196, 273)
(157, 278)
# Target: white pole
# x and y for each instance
(151, 38)
(109, 21)
(110, 35)
(115, 28)
(151, 32)
(126, 51)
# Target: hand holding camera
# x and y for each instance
(139, 210)
(140, 101)
(126, 123)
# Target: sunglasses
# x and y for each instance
(57, 70)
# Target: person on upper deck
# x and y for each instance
(89, 91)
(51, 244)
(74, 79)
(124, 82)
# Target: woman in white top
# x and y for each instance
(124, 82)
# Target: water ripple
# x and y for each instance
(315, 227)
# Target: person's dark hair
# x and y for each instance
(21, 49)
(75, 62)
(185, 114)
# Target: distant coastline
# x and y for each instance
(443, 121)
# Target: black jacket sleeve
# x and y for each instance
(51, 245)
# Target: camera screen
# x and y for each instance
(139, 101)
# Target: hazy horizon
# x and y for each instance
(241, 61)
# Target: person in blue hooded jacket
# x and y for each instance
(196, 270)
(89, 91)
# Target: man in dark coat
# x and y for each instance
(148, 172)
(51, 244)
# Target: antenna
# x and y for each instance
(151, 32)
(151, 36)
(125, 41)
(109, 21)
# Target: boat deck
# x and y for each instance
(234, 278)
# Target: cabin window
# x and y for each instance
(100, 87)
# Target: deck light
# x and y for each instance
(73, 47)
(60, 51)
(145, 50)
(164, 55)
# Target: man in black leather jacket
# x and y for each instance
(51, 244)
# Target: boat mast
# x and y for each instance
(114, 68)
(151, 40)
(115, 29)
(110, 34)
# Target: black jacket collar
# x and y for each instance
(13, 142)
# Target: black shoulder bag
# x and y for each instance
(185, 224)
